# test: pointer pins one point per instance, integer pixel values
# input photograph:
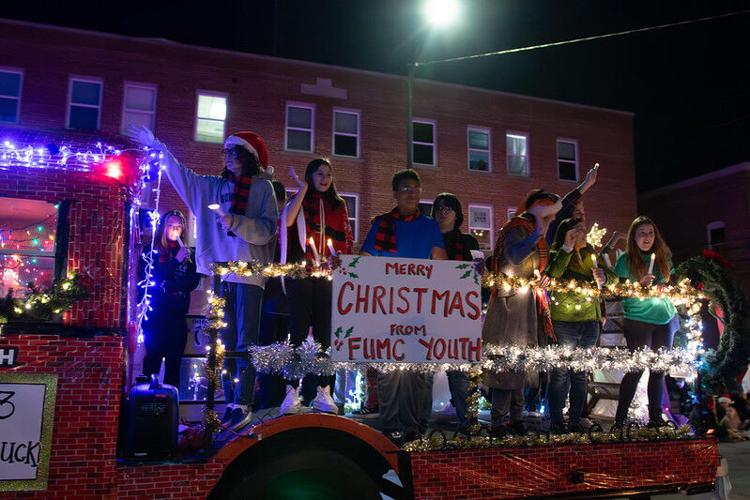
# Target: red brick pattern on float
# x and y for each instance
(546, 470)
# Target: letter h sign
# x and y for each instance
(8, 356)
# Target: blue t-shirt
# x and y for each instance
(414, 239)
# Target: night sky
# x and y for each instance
(689, 86)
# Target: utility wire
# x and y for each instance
(578, 40)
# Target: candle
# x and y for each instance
(330, 248)
(651, 264)
(596, 266)
(216, 208)
(314, 251)
(607, 261)
(179, 242)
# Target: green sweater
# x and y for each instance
(570, 306)
(655, 311)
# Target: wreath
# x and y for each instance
(710, 272)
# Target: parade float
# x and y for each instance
(69, 342)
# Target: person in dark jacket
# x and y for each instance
(173, 277)
(447, 211)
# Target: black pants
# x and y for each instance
(164, 337)
(310, 306)
(274, 322)
(640, 334)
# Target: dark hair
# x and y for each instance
(535, 195)
(404, 175)
(659, 247)
(160, 237)
(449, 200)
(279, 190)
(564, 226)
(250, 163)
(330, 193)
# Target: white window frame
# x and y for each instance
(525, 135)
(428, 202)
(434, 142)
(84, 79)
(210, 93)
(358, 135)
(149, 86)
(305, 105)
(710, 227)
(492, 220)
(469, 149)
(355, 227)
(511, 212)
(577, 162)
(18, 98)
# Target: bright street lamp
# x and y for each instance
(440, 13)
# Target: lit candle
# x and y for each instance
(330, 248)
(216, 208)
(651, 264)
(314, 251)
(596, 266)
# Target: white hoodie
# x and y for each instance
(255, 231)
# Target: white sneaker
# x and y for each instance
(323, 402)
(291, 404)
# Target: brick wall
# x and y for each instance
(545, 470)
(259, 87)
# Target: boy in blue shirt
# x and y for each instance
(405, 398)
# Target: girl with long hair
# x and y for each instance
(173, 278)
(315, 216)
(648, 323)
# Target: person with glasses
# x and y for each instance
(447, 210)
(404, 398)
(236, 217)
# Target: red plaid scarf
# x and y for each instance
(542, 304)
(455, 248)
(240, 194)
(385, 237)
(336, 222)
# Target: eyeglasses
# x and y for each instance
(410, 190)
(443, 209)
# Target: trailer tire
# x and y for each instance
(306, 473)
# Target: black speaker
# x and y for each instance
(152, 420)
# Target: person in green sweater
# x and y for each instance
(648, 323)
(575, 318)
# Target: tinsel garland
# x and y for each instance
(44, 305)
(215, 360)
(309, 358)
(721, 366)
(438, 441)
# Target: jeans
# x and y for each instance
(583, 335)
(506, 404)
(164, 337)
(242, 315)
(640, 334)
(459, 384)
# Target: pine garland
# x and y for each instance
(43, 305)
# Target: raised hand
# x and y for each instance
(182, 254)
(141, 135)
(293, 175)
(599, 276)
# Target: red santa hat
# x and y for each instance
(252, 142)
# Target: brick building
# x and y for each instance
(708, 211)
(488, 147)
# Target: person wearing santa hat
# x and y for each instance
(239, 226)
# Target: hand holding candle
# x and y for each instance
(598, 273)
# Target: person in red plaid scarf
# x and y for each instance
(405, 398)
(240, 226)
(447, 211)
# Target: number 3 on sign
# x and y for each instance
(7, 408)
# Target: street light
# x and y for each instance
(439, 14)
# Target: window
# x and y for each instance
(28, 233)
(716, 233)
(517, 153)
(511, 212)
(423, 145)
(299, 127)
(567, 159)
(84, 103)
(210, 117)
(425, 207)
(480, 225)
(10, 95)
(480, 149)
(139, 105)
(352, 205)
(346, 133)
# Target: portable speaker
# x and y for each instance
(152, 420)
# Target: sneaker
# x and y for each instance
(227, 413)
(365, 411)
(240, 418)
(292, 405)
(323, 402)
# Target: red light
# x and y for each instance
(113, 169)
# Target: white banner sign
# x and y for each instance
(26, 414)
(406, 310)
